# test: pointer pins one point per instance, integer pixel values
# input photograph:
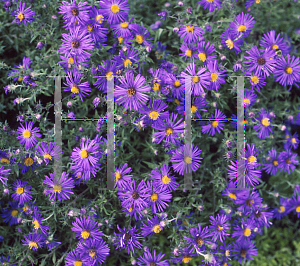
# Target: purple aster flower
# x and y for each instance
(131, 92)
(184, 255)
(216, 75)
(198, 79)
(164, 178)
(72, 61)
(96, 102)
(287, 71)
(243, 230)
(85, 228)
(61, 188)
(218, 123)
(186, 159)
(149, 259)
(123, 29)
(294, 205)
(71, 115)
(76, 42)
(210, 5)
(142, 36)
(175, 84)
(40, 45)
(94, 251)
(256, 79)
(245, 250)
(249, 98)
(3, 172)
(272, 166)
(190, 33)
(107, 72)
(198, 239)
(260, 216)
(233, 193)
(282, 210)
(49, 153)
(51, 242)
(230, 40)
(264, 128)
(73, 13)
(28, 163)
(33, 240)
(218, 227)
(188, 51)
(242, 25)
(197, 105)
(21, 192)
(128, 239)
(96, 33)
(205, 52)
(264, 62)
(125, 60)
(154, 226)
(169, 130)
(226, 250)
(287, 160)
(237, 66)
(251, 156)
(73, 79)
(37, 222)
(10, 214)
(75, 258)
(122, 176)
(292, 142)
(115, 10)
(96, 14)
(247, 200)
(22, 14)
(269, 41)
(28, 135)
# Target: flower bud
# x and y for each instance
(180, 3)
(283, 127)
(176, 29)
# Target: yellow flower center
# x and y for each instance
(84, 154)
(287, 136)
(27, 134)
(57, 188)
(139, 38)
(288, 70)
(247, 232)
(166, 179)
(187, 159)
(190, 28)
(257, 1)
(243, 253)
(78, 263)
(242, 28)
(186, 259)
(90, 28)
(219, 228)
(92, 253)
(274, 46)
(154, 115)
(188, 53)
(254, 79)
(176, 101)
(130, 209)
(247, 101)
(75, 89)
(281, 209)
(20, 16)
(78, 176)
(265, 122)
(20, 79)
(33, 244)
(47, 156)
(252, 159)
(4, 160)
(156, 229)
(118, 176)
(298, 208)
(213, 76)
(127, 62)
(20, 190)
(215, 123)
(156, 87)
(177, 84)
(227, 253)
(202, 56)
(109, 76)
(288, 160)
(194, 109)
(229, 44)
(232, 196)
(115, 8)
(195, 79)
(120, 39)
(124, 25)
(275, 162)
(36, 224)
(85, 234)
(99, 18)
(293, 140)
(28, 161)
(14, 213)
(169, 131)
(71, 60)
(154, 197)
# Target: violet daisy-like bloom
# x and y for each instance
(76, 43)
(199, 80)
(149, 259)
(231, 42)
(205, 52)
(251, 156)
(72, 61)
(74, 258)
(96, 33)
(85, 228)
(188, 51)
(23, 15)
(281, 211)
(249, 98)
(218, 123)
(158, 196)
(114, 10)
(169, 130)
(81, 89)
(264, 127)
(128, 239)
(153, 226)
(154, 114)
(247, 201)
(96, 14)
(243, 230)
(142, 35)
(216, 75)
(186, 159)
(28, 135)
(287, 71)
(131, 92)
(184, 255)
(271, 167)
(268, 40)
(175, 84)
(10, 214)
(260, 216)
(28, 164)
(257, 79)
(218, 227)
(73, 13)
(94, 251)
(264, 62)
(164, 178)
(294, 205)
(245, 250)
(125, 60)
(33, 240)
(242, 25)
(50, 152)
(60, 189)
(3, 172)
(122, 29)
(232, 192)
(21, 192)
(292, 142)
(198, 239)
(121, 175)
(37, 222)
(197, 105)
(190, 33)
(287, 160)
(107, 72)
(210, 5)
